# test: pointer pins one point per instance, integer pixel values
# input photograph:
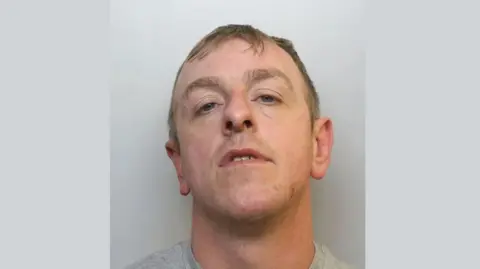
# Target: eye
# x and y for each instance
(207, 107)
(268, 99)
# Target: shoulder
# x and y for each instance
(171, 258)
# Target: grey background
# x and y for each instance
(421, 150)
(149, 40)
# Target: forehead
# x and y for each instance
(232, 59)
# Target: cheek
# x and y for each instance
(194, 156)
(295, 148)
(198, 155)
(286, 126)
(290, 138)
(267, 112)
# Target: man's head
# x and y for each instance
(245, 130)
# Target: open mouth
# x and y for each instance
(243, 156)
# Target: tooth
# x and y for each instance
(243, 158)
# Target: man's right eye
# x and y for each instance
(207, 107)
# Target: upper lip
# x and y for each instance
(228, 157)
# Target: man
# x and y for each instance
(245, 139)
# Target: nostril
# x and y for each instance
(240, 126)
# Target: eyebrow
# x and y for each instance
(251, 77)
(203, 82)
(256, 76)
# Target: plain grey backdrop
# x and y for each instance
(149, 40)
(422, 129)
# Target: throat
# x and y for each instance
(281, 241)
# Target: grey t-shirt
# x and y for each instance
(180, 256)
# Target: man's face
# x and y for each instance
(246, 142)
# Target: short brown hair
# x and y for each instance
(256, 39)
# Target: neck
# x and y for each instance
(284, 241)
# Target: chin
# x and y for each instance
(255, 207)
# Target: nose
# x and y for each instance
(238, 116)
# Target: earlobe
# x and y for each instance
(184, 189)
(322, 143)
(173, 153)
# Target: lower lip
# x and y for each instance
(245, 162)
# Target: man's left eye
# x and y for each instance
(267, 99)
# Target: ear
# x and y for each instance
(322, 147)
(173, 152)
